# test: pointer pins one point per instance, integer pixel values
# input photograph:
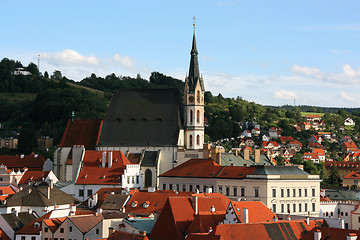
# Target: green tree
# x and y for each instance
(27, 140)
(57, 75)
(334, 178)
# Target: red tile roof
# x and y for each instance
(3, 235)
(286, 138)
(354, 165)
(266, 143)
(258, 212)
(312, 116)
(31, 229)
(207, 168)
(85, 222)
(352, 175)
(296, 142)
(349, 145)
(82, 132)
(134, 157)
(35, 176)
(156, 201)
(126, 236)
(93, 172)
(32, 162)
(331, 233)
(319, 151)
(53, 223)
(6, 192)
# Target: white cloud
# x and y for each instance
(69, 57)
(314, 72)
(348, 97)
(348, 75)
(126, 61)
(284, 95)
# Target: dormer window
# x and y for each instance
(146, 204)
(134, 204)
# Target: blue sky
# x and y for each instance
(270, 52)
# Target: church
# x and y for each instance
(152, 127)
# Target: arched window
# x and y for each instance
(148, 178)
(198, 140)
(198, 116)
(198, 96)
(191, 116)
(190, 141)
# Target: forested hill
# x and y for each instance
(41, 104)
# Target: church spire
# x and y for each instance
(194, 73)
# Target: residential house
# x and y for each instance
(311, 156)
(351, 179)
(8, 142)
(316, 139)
(349, 122)
(31, 162)
(12, 222)
(304, 126)
(287, 153)
(349, 147)
(325, 135)
(246, 134)
(45, 142)
(275, 132)
(31, 231)
(37, 176)
(295, 144)
(40, 198)
(265, 137)
(245, 158)
(286, 139)
(312, 117)
(280, 187)
(255, 132)
(138, 225)
(49, 226)
(101, 169)
(320, 152)
(345, 139)
(249, 142)
(6, 192)
(344, 168)
(20, 71)
(271, 145)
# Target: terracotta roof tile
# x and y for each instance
(126, 236)
(31, 229)
(85, 222)
(32, 162)
(54, 223)
(93, 172)
(258, 212)
(352, 175)
(81, 132)
(34, 176)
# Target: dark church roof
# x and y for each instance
(194, 73)
(143, 117)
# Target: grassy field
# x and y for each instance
(303, 114)
(17, 97)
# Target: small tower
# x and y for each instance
(194, 103)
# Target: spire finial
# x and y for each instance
(194, 23)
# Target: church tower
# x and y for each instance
(194, 103)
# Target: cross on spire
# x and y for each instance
(194, 22)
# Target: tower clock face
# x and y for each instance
(191, 99)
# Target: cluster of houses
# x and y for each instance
(144, 172)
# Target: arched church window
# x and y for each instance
(191, 116)
(198, 96)
(148, 178)
(198, 116)
(198, 140)
(190, 141)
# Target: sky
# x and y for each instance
(271, 52)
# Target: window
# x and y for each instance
(313, 192)
(46, 229)
(198, 140)
(305, 207)
(81, 192)
(282, 192)
(137, 179)
(274, 192)
(288, 192)
(62, 230)
(70, 229)
(346, 226)
(128, 180)
(198, 96)
(33, 238)
(97, 231)
(190, 188)
(299, 207)
(133, 180)
(177, 187)
(274, 208)
(235, 191)
(359, 219)
(198, 187)
(22, 237)
(191, 140)
(294, 192)
(299, 192)
(48, 239)
(227, 191)
(256, 193)
(170, 186)
(346, 213)
(89, 192)
(305, 192)
(184, 188)
(61, 239)
(294, 207)
(313, 207)
(243, 192)
(282, 208)
(164, 186)
(198, 116)
(191, 116)
(220, 189)
(288, 208)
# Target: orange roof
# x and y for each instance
(82, 132)
(296, 142)
(314, 145)
(286, 138)
(352, 175)
(54, 223)
(207, 168)
(31, 229)
(355, 165)
(349, 145)
(3, 235)
(258, 212)
(6, 192)
(93, 172)
(156, 200)
(266, 143)
(34, 176)
(319, 151)
(126, 236)
(325, 199)
(312, 116)
(134, 157)
(32, 162)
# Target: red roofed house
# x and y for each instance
(320, 152)
(351, 179)
(9, 177)
(101, 169)
(285, 139)
(313, 117)
(295, 144)
(37, 176)
(311, 156)
(17, 163)
(6, 192)
(344, 168)
(349, 147)
(127, 236)
(316, 139)
(271, 185)
(270, 145)
(85, 132)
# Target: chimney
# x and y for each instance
(48, 192)
(218, 158)
(245, 215)
(103, 161)
(307, 219)
(236, 152)
(110, 156)
(206, 151)
(72, 209)
(197, 191)
(123, 209)
(246, 154)
(317, 234)
(212, 209)
(142, 233)
(351, 236)
(30, 210)
(195, 204)
(51, 183)
(99, 210)
(210, 229)
(257, 155)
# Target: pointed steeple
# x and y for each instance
(194, 73)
